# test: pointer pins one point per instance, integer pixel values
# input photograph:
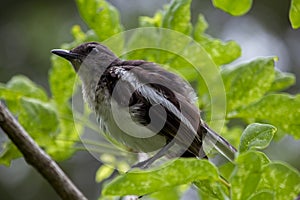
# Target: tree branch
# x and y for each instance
(36, 157)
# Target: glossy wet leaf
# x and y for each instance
(294, 13)
(100, 16)
(221, 52)
(177, 16)
(256, 136)
(155, 21)
(265, 194)
(282, 81)
(280, 110)
(20, 86)
(282, 179)
(233, 7)
(247, 174)
(103, 172)
(169, 193)
(174, 173)
(247, 82)
(8, 153)
(226, 170)
(212, 190)
(38, 118)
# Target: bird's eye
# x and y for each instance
(90, 48)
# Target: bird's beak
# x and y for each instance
(66, 54)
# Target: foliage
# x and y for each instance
(253, 92)
(241, 7)
(48, 120)
(295, 13)
(252, 176)
(235, 8)
(177, 172)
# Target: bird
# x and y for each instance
(142, 105)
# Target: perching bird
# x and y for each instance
(141, 105)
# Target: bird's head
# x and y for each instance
(90, 55)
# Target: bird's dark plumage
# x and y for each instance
(164, 84)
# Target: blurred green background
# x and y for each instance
(30, 29)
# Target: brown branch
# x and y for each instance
(36, 157)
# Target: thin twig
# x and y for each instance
(36, 157)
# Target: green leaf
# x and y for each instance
(100, 16)
(226, 170)
(181, 66)
(20, 86)
(166, 194)
(141, 45)
(9, 153)
(247, 174)
(267, 195)
(155, 21)
(78, 34)
(176, 19)
(68, 133)
(177, 16)
(282, 179)
(39, 119)
(174, 173)
(103, 172)
(294, 13)
(221, 52)
(247, 82)
(80, 37)
(282, 81)
(62, 80)
(212, 190)
(200, 27)
(256, 136)
(233, 7)
(280, 110)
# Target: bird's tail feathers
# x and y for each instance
(212, 139)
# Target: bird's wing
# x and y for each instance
(160, 96)
(157, 75)
(155, 95)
